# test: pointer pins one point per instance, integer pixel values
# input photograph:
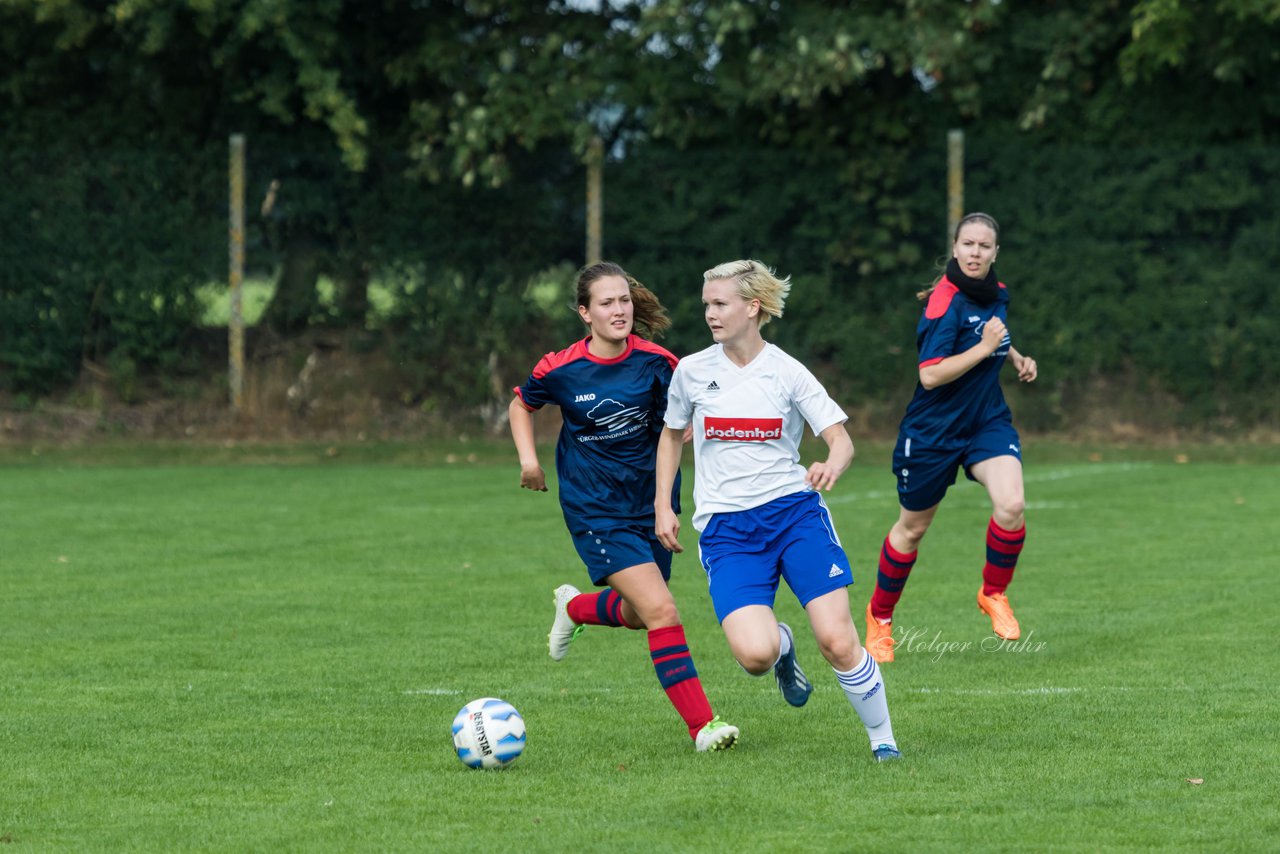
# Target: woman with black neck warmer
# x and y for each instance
(958, 417)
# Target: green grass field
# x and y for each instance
(263, 650)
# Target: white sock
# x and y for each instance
(865, 690)
(784, 644)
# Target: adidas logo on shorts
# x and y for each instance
(835, 570)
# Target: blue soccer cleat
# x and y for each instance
(886, 753)
(792, 683)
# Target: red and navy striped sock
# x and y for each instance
(1003, 548)
(597, 609)
(674, 665)
(890, 579)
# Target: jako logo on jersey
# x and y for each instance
(743, 429)
(584, 397)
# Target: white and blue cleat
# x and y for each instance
(886, 753)
(791, 680)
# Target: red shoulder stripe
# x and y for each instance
(650, 347)
(940, 299)
(551, 361)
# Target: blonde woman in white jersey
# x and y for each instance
(759, 511)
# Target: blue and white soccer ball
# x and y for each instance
(488, 733)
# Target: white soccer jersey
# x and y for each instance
(747, 426)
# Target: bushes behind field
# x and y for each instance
(100, 255)
(1143, 271)
(1140, 276)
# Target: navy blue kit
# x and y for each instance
(612, 411)
(962, 422)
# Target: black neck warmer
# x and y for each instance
(982, 291)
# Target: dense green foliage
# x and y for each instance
(1149, 263)
(268, 657)
(100, 260)
(1145, 267)
(1129, 148)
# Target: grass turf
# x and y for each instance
(220, 654)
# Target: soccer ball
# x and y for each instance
(488, 733)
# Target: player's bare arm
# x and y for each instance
(954, 367)
(666, 522)
(823, 475)
(531, 474)
(1024, 365)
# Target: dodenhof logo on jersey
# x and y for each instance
(743, 429)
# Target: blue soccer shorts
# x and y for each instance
(607, 552)
(747, 552)
(924, 473)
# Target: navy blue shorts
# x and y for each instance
(606, 552)
(924, 474)
(746, 553)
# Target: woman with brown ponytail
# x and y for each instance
(611, 388)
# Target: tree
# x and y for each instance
(442, 138)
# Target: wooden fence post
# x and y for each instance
(955, 183)
(235, 324)
(595, 200)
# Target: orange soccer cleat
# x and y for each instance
(997, 607)
(879, 641)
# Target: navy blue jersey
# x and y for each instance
(612, 411)
(949, 415)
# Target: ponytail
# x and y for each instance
(650, 316)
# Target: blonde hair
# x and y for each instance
(754, 281)
(649, 319)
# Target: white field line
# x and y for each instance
(1044, 690)
(998, 692)
(1083, 470)
(435, 692)
(1007, 692)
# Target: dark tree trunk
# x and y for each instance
(351, 281)
(296, 298)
